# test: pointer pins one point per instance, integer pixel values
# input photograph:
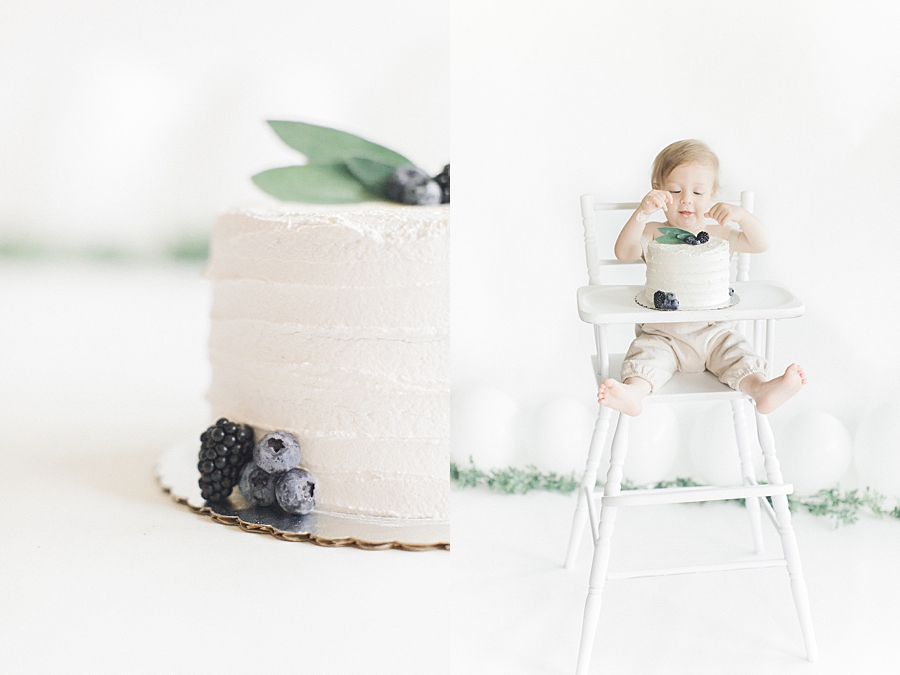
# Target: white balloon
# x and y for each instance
(653, 446)
(876, 452)
(561, 433)
(653, 439)
(483, 427)
(813, 449)
(713, 446)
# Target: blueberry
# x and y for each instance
(730, 292)
(693, 241)
(411, 185)
(277, 452)
(424, 195)
(402, 178)
(257, 486)
(296, 491)
(670, 302)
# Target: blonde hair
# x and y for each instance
(683, 152)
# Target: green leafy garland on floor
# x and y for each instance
(843, 508)
(512, 480)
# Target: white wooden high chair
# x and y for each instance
(760, 304)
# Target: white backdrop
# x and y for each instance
(565, 98)
(122, 125)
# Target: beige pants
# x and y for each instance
(662, 348)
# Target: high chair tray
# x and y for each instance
(610, 304)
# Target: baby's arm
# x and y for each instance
(754, 235)
(628, 245)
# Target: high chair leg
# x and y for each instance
(589, 480)
(738, 412)
(788, 538)
(600, 562)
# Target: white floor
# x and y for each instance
(101, 572)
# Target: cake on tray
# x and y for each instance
(697, 276)
(331, 323)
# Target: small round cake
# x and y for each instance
(697, 275)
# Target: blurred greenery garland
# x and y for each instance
(842, 507)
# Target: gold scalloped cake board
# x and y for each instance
(177, 474)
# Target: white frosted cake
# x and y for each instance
(332, 323)
(697, 275)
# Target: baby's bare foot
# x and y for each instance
(770, 395)
(622, 397)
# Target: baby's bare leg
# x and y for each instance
(624, 396)
(770, 395)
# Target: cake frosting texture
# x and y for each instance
(332, 323)
(697, 275)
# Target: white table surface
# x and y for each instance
(610, 304)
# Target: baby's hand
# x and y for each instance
(725, 213)
(655, 200)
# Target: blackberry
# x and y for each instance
(659, 299)
(703, 237)
(443, 179)
(224, 448)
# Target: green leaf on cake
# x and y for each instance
(673, 235)
(314, 183)
(676, 231)
(323, 145)
(369, 172)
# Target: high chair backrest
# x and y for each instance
(591, 206)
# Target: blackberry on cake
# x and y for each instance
(659, 299)
(224, 448)
(443, 179)
(703, 237)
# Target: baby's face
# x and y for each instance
(691, 186)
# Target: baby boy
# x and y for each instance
(685, 180)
